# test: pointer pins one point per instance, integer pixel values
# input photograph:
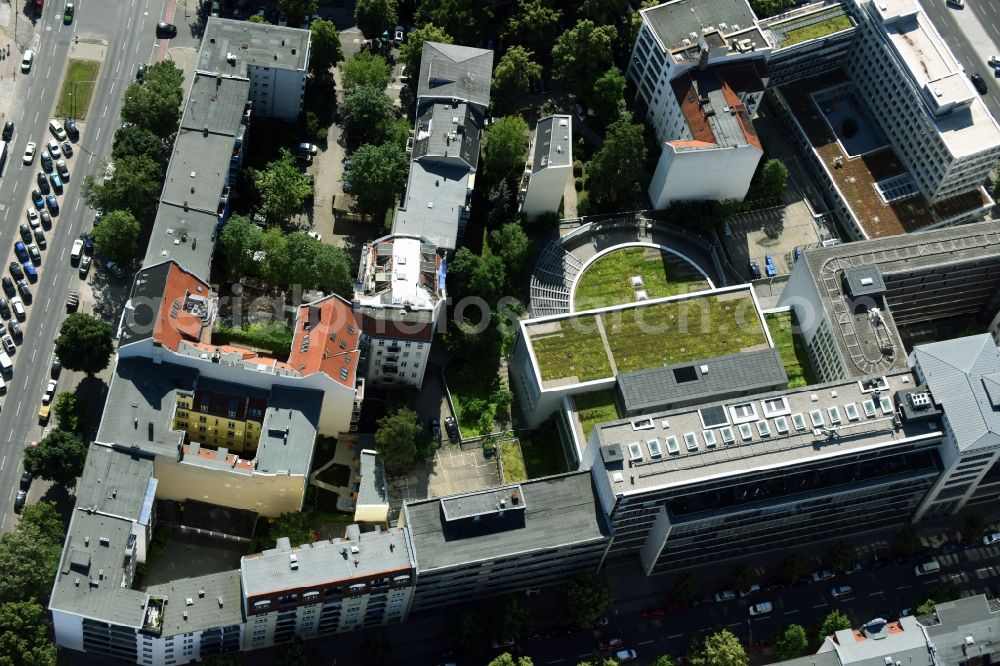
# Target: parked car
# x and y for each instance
(46, 162)
(40, 240)
(8, 344)
(166, 30)
(36, 256)
(398, 34)
(4, 308)
(24, 289)
(451, 427)
(19, 501)
(754, 270)
(750, 590)
(57, 185)
(43, 182)
(25, 230)
(115, 269)
(8, 130)
(841, 591)
(307, 148)
(36, 199)
(823, 574)
(46, 219)
(67, 148)
(62, 169)
(26, 479)
(762, 608)
(606, 645)
(15, 331)
(71, 130)
(979, 83)
(84, 265)
(140, 72)
(724, 595)
(57, 130)
(76, 251)
(15, 270)
(769, 266)
(927, 567)
(502, 643)
(54, 149)
(26, 60)
(625, 655)
(72, 301)
(52, 203)
(21, 251)
(991, 538)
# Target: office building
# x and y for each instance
(549, 167)
(399, 298)
(504, 539)
(808, 40)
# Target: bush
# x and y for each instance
(577, 168)
(582, 204)
(276, 338)
(578, 184)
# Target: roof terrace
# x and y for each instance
(813, 21)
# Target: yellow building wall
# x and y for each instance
(265, 494)
(214, 430)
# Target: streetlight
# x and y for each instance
(72, 96)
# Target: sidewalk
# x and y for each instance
(17, 33)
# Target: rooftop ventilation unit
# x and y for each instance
(920, 400)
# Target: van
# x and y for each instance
(5, 365)
(26, 61)
(57, 130)
(928, 567)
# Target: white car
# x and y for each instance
(74, 254)
(991, 538)
(29, 57)
(750, 590)
(824, 574)
(29, 152)
(315, 235)
(841, 591)
(57, 130)
(725, 595)
(54, 149)
(50, 392)
(763, 608)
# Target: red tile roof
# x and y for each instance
(169, 329)
(326, 340)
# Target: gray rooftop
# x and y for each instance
(216, 103)
(492, 501)
(674, 21)
(672, 448)
(957, 621)
(146, 295)
(561, 510)
(694, 383)
(449, 133)
(372, 489)
(901, 640)
(449, 71)
(553, 143)
(326, 562)
(295, 412)
(112, 493)
(962, 375)
(433, 203)
(263, 45)
(215, 601)
(864, 281)
(185, 236)
(198, 170)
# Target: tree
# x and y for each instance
(613, 173)
(29, 562)
(581, 54)
(588, 599)
(663, 660)
(133, 186)
(506, 660)
(299, 653)
(293, 525)
(504, 148)
(465, 629)
(375, 16)
(84, 343)
(240, 239)
(155, 102)
(513, 74)
(410, 52)
(792, 568)
(365, 68)
(67, 411)
(929, 607)
(366, 114)
(24, 636)
(44, 517)
(377, 176)
(465, 20)
(325, 50)
(608, 97)
(740, 576)
(510, 619)
(274, 249)
(257, 18)
(511, 244)
(117, 237)
(460, 270)
(313, 264)
(396, 437)
(296, 10)
(59, 457)
(531, 25)
(501, 208)
(791, 643)
(719, 649)
(765, 8)
(134, 141)
(375, 647)
(488, 278)
(773, 177)
(841, 556)
(833, 622)
(603, 12)
(973, 527)
(906, 543)
(684, 588)
(282, 188)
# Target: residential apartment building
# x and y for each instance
(504, 539)
(549, 168)
(362, 581)
(399, 298)
(453, 92)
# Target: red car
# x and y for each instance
(609, 644)
(653, 613)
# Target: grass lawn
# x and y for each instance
(692, 329)
(607, 281)
(827, 27)
(471, 379)
(792, 349)
(542, 451)
(575, 349)
(513, 462)
(594, 408)
(77, 89)
(335, 475)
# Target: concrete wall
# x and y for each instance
(277, 93)
(68, 630)
(545, 190)
(681, 175)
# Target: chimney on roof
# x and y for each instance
(515, 498)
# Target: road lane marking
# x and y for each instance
(17, 412)
(789, 612)
(36, 116)
(36, 348)
(112, 87)
(903, 587)
(876, 594)
(646, 642)
(675, 636)
(735, 624)
(2, 522)
(75, 208)
(820, 606)
(118, 66)
(97, 138)
(10, 436)
(49, 300)
(105, 114)
(2, 463)
(11, 493)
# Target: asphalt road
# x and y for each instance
(127, 33)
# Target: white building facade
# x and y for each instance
(550, 166)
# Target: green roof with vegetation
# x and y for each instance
(593, 408)
(791, 347)
(828, 26)
(646, 335)
(608, 280)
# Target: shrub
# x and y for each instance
(579, 184)
(276, 339)
(582, 204)
(577, 168)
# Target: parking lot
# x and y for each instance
(451, 471)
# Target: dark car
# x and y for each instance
(166, 30)
(40, 239)
(46, 219)
(4, 308)
(88, 243)
(26, 480)
(71, 131)
(21, 251)
(140, 72)
(25, 290)
(36, 256)
(15, 270)
(63, 170)
(36, 198)
(8, 287)
(43, 182)
(8, 130)
(19, 501)
(754, 270)
(30, 272)
(451, 427)
(115, 269)
(15, 330)
(979, 82)
(67, 148)
(53, 205)
(25, 233)
(56, 182)
(56, 367)
(46, 163)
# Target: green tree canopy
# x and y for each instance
(293, 525)
(84, 343)
(765, 8)
(314, 264)
(59, 457)
(256, 18)
(367, 115)
(240, 239)
(532, 24)
(66, 409)
(296, 10)
(510, 619)
(926, 608)
(604, 12)
(460, 270)
(396, 438)
(134, 186)
(135, 141)
(44, 517)
(325, 50)
(375, 16)
(282, 188)
(773, 177)
(834, 621)
(502, 207)
(117, 237)
(613, 173)
(488, 278)
(791, 643)
(684, 588)
(377, 176)
(722, 648)
(29, 562)
(154, 103)
(663, 660)
(513, 74)
(465, 629)
(511, 244)
(24, 628)
(365, 68)
(792, 567)
(841, 556)
(506, 660)
(504, 148)
(588, 599)
(608, 97)
(907, 542)
(410, 52)
(581, 54)
(465, 20)
(740, 576)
